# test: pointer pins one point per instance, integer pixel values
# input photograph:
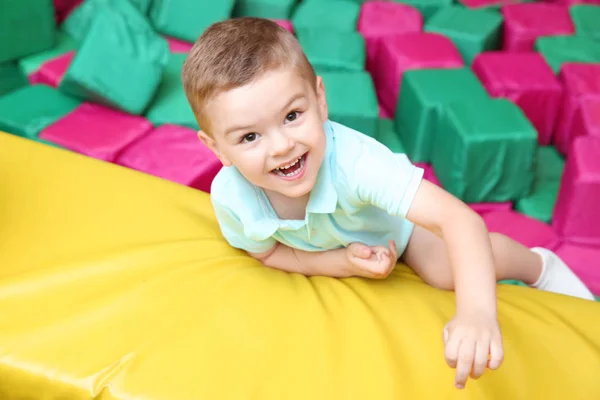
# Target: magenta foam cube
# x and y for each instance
(484, 208)
(380, 19)
(52, 71)
(587, 121)
(286, 24)
(521, 228)
(584, 261)
(527, 80)
(397, 54)
(174, 153)
(580, 81)
(572, 2)
(178, 46)
(96, 131)
(524, 23)
(577, 210)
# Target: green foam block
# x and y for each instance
(170, 105)
(558, 50)
(78, 23)
(27, 111)
(11, 77)
(120, 63)
(586, 18)
(188, 19)
(274, 9)
(333, 51)
(338, 15)
(485, 151)
(548, 170)
(351, 100)
(472, 31)
(427, 8)
(423, 99)
(387, 135)
(64, 44)
(26, 27)
(142, 5)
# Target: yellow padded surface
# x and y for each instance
(118, 285)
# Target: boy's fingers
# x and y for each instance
(496, 354)
(361, 251)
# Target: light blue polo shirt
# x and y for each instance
(362, 194)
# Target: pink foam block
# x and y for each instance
(397, 54)
(580, 81)
(178, 46)
(428, 173)
(487, 3)
(174, 153)
(284, 23)
(524, 23)
(584, 261)
(52, 71)
(96, 131)
(572, 2)
(587, 120)
(484, 208)
(379, 19)
(527, 80)
(577, 211)
(521, 228)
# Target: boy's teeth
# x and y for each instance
(290, 165)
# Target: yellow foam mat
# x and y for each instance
(118, 285)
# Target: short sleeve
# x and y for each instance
(232, 229)
(382, 178)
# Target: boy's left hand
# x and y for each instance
(472, 342)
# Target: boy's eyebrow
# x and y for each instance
(295, 97)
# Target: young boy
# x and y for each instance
(304, 194)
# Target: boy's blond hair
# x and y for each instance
(235, 52)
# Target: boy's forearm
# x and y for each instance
(470, 253)
(333, 263)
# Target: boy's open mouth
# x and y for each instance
(291, 170)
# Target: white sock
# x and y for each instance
(557, 277)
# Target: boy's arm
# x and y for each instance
(467, 242)
(333, 263)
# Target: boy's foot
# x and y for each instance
(557, 277)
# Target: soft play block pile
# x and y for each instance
(118, 285)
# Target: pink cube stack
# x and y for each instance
(174, 153)
(524, 23)
(521, 228)
(527, 80)
(401, 53)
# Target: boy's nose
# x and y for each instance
(281, 144)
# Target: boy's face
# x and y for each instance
(272, 131)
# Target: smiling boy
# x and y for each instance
(304, 194)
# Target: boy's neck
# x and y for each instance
(287, 207)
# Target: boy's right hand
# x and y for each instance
(372, 261)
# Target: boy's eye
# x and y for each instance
(291, 116)
(250, 137)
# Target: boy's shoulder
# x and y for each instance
(230, 189)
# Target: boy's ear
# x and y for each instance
(322, 100)
(212, 145)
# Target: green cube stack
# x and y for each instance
(423, 100)
(120, 63)
(539, 204)
(188, 19)
(387, 135)
(170, 105)
(27, 111)
(332, 15)
(273, 9)
(558, 50)
(485, 151)
(26, 27)
(427, 8)
(333, 51)
(472, 31)
(352, 100)
(586, 18)
(11, 77)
